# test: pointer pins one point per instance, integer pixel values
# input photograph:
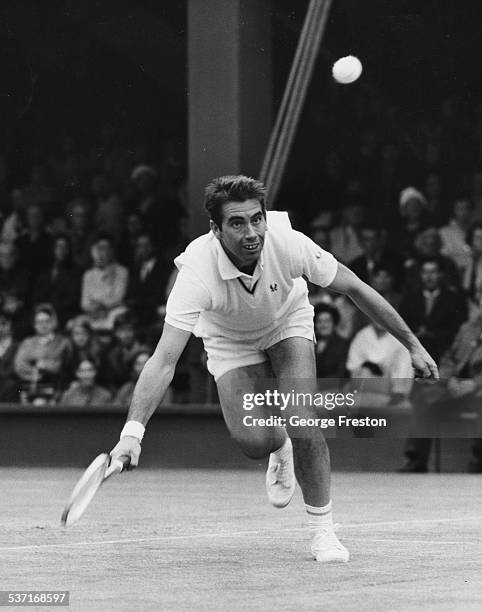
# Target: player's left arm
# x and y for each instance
(377, 308)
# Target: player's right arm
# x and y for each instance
(151, 387)
(188, 298)
(157, 374)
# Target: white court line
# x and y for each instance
(394, 541)
(233, 534)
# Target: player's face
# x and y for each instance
(242, 232)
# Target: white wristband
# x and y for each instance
(133, 428)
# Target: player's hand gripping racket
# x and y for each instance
(98, 471)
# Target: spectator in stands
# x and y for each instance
(39, 191)
(414, 218)
(14, 223)
(134, 227)
(460, 389)
(118, 359)
(84, 391)
(79, 231)
(60, 283)
(345, 238)
(433, 311)
(375, 353)
(472, 280)
(331, 349)
(108, 209)
(477, 195)
(124, 395)
(41, 358)
(433, 192)
(104, 286)
(428, 245)
(162, 216)
(147, 282)
(454, 234)
(320, 228)
(83, 345)
(375, 255)
(34, 245)
(8, 350)
(14, 287)
(383, 281)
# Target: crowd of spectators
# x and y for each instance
(433, 277)
(85, 265)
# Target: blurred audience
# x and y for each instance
(34, 245)
(80, 232)
(84, 391)
(147, 282)
(374, 352)
(472, 278)
(428, 245)
(375, 256)
(8, 350)
(454, 234)
(432, 310)
(14, 286)
(137, 362)
(84, 344)
(60, 283)
(331, 349)
(414, 217)
(41, 358)
(119, 356)
(104, 286)
(459, 391)
(345, 237)
(108, 210)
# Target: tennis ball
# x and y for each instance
(347, 69)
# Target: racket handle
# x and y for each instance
(116, 466)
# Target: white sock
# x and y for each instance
(283, 453)
(319, 518)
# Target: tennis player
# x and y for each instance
(240, 289)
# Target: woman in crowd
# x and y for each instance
(41, 358)
(84, 391)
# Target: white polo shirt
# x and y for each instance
(211, 297)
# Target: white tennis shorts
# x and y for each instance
(225, 354)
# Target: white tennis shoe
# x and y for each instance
(280, 479)
(327, 548)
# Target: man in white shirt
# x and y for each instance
(373, 344)
(240, 288)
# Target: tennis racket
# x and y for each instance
(87, 486)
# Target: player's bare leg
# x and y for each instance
(255, 442)
(293, 362)
(258, 441)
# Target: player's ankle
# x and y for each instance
(319, 518)
(283, 453)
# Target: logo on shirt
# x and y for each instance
(274, 287)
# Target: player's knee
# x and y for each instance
(254, 448)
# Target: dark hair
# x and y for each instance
(103, 236)
(126, 318)
(331, 310)
(235, 188)
(471, 232)
(45, 308)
